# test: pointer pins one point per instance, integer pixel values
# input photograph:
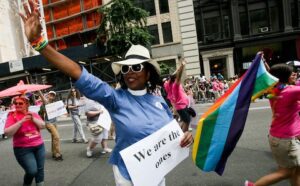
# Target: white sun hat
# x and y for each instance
(52, 92)
(135, 55)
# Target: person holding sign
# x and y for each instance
(51, 125)
(93, 111)
(135, 112)
(28, 144)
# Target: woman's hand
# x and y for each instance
(38, 122)
(27, 117)
(31, 20)
(187, 139)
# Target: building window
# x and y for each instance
(294, 11)
(226, 31)
(163, 6)
(274, 18)
(258, 21)
(153, 30)
(244, 23)
(263, 16)
(216, 22)
(167, 32)
(167, 67)
(147, 5)
(212, 29)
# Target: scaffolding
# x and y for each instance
(71, 22)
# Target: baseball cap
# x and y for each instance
(52, 92)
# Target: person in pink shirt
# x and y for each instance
(28, 144)
(178, 97)
(284, 133)
(221, 87)
(215, 88)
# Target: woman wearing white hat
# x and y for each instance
(135, 112)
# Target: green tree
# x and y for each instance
(122, 25)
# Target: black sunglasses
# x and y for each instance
(134, 68)
(18, 103)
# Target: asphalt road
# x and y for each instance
(250, 159)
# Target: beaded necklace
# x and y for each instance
(276, 90)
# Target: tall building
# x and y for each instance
(70, 26)
(13, 44)
(231, 32)
(71, 22)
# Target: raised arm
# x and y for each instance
(44, 100)
(33, 30)
(179, 71)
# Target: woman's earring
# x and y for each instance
(149, 84)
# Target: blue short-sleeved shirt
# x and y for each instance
(135, 117)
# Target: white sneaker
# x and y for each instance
(106, 150)
(89, 152)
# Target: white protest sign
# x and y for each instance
(35, 108)
(104, 119)
(151, 158)
(3, 116)
(16, 65)
(55, 109)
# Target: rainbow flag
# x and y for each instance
(220, 128)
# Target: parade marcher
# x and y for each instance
(93, 111)
(135, 112)
(178, 97)
(51, 125)
(284, 133)
(28, 144)
(73, 104)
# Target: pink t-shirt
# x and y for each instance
(286, 108)
(28, 134)
(176, 94)
(215, 86)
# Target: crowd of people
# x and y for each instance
(207, 90)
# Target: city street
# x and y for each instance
(250, 160)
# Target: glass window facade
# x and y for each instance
(167, 32)
(249, 26)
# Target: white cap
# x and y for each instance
(52, 92)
